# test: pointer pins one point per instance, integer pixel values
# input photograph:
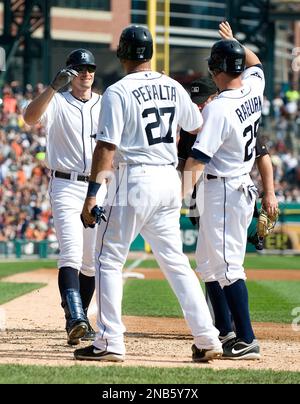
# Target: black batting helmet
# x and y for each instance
(136, 43)
(227, 56)
(202, 89)
(80, 57)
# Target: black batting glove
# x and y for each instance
(63, 77)
(98, 212)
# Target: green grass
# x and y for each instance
(252, 261)
(273, 301)
(18, 374)
(10, 291)
(272, 262)
(270, 301)
(11, 268)
(150, 298)
(149, 263)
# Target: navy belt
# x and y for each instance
(214, 177)
(211, 177)
(66, 176)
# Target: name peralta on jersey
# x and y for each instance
(140, 115)
(231, 122)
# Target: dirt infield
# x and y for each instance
(35, 334)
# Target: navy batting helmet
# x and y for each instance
(202, 89)
(136, 43)
(227, 56)
(80, 57)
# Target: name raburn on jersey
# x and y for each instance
(155, 92)
(248, 108)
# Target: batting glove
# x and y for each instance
(99, 214)
(63, 78)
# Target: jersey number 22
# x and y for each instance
(251, 131)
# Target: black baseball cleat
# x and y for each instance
(76, 320)
(91, 353)
(237, 349)
(205, 355)
(76, 332)
(90, 335)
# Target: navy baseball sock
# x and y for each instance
(221, 310)
(237, 299)
(87, 288)
(67, 279)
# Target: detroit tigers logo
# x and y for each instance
(84, 56)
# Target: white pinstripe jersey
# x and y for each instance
(69, 125)
(140, 115)
(230, 127)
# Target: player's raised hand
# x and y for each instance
(225, 30)
(62, 78)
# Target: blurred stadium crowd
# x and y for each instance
(25, 211)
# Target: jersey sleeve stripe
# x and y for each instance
(198, 155)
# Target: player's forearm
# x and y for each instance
(102, 162)
(38, 106)
(192, 172)
(265, 168)
(251, 58)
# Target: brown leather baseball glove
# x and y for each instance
(266, 223)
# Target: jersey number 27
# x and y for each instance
(159, 114)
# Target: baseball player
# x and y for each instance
(225, 147)
(215, 294)
(202, 92)
(137, 133)
(71, 120)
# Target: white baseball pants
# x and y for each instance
(153, 209)
(76, 244)
(227, 213)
